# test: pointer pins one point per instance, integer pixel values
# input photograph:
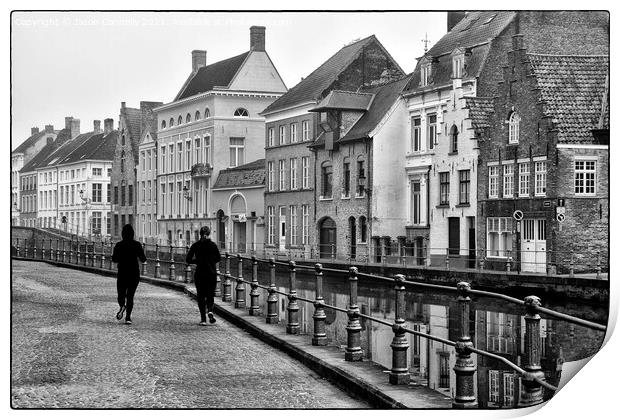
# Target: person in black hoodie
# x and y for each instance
(126, 254)
(205, 255)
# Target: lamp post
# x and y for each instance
(86, 203)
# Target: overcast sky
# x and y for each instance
(83, 64)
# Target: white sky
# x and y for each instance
(83, 64)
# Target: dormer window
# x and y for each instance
(425, 76)
(513, 128)
(457, 66)
(241, 112)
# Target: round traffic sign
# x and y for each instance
(560, 217)
(518, 215)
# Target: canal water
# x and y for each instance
(496, 326)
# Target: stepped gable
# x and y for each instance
(572, 90)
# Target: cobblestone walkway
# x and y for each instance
(69, 351)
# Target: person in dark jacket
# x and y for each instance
(126, 254)
(205, 255)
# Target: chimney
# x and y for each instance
(68, 122)
(97, 126)
(122, 105)
(108, 126)
(454, 18)
(34, 130)
(75, 128)
(199, 59)
(49, 128)
(257, 38)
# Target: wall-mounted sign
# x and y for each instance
(547, 203)
(518, 215)
(560, 217)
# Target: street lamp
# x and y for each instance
(85, 203)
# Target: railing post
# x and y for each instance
(447, 259)
(508, 261)
(353, 351)
(292, 323)
(188, 269)
(254, 295)
(70, 251)
(57, 258)
(51, 253)
(64, 254)
(42, 249)
(227, 293)
(532, 391)
(85, 253)
(157, 262)
(272, 298)
(77, 255)
(144, 264)
(218, 280)
(93, 256)
(240, 287)
(172, 273)
(399, 375)
(598, 265)
(111, 252)
(319, 338)
(571, 273)
(464, 367)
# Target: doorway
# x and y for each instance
(239, 236)
(352, 237)
(221, 229)
(327, 238)
(534, 246)
(282, 228)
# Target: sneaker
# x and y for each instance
(119, 314)
(203, 323)
(211, 317)
(128, 321)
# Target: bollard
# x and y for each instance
(77, 254)
(111, 253)
(227, 292)
(254, 295)
(51, 253)
(399, 374)
(532, 391)
(481, 263)
(85, 253)
(508, 261)
(292, 324)
(64, 254)
(144, 264)
(70, 251)
(319, 338)
(188, 270)
(172, 273)
(102, 256)
(272, 298)
(240, 287)
(218, 280)
(93, 256)
(157, 262)
(464, 367)
(353, 351)
(57, 257)
(598, 265)
(571, 272)
(42, 249)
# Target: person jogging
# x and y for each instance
(205, 255)
(126, 254)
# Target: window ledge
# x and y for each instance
(360, 196)
(463, 205)
(326, 199)
(443, 206)
(345, 197)
(453, 153)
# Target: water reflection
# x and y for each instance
(495, 326)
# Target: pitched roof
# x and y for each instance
(96, 146)
(312, 87)
(40, 158)
(248, 175)
(216, 74)
(479, 111)
(339, 99)
(30, 141)
(572, 89)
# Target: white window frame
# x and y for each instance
(305, 223)
(524, 179)
(502, 226)
(206, 141)
(238, 150)
(282, 174)
(293, 130)
(305, 172)
(513, 128)
(305, 130)
(293, 228)
(585, 174)
(493, 181)
(540, 178)
(293, 174)
(270, 136)
(281, 135)
(271, 182)
(416, 134)
(270, 225)
(508, 180)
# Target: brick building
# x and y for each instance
(19, 158)
(146, 177)
(212, 124)
(239, 192)
(544, 165)
(131, 126)
(291, 128)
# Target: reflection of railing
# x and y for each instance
(532, 375)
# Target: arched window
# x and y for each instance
(123, 160)
(454, 138)
(171, 122)
(180, 120)
(163, 124)
(241, 112)
(352, 238)
(513, 128)
(197, 116)
(123, 140)
(188, 118)
(363, 229)
(326, 180)
(207, 113)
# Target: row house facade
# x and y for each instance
(125, 189)
(146, 180)
(213, 124)
(447, 98)
(292, 128)
(20, 157)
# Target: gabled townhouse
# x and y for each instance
(444, 141)
(146, 177)
(212, 124)
(125, 189)
(291, 128)
(544, 167)
(19, 158)
(239, 191)
(355, 156)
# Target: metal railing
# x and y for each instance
(533, 378)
